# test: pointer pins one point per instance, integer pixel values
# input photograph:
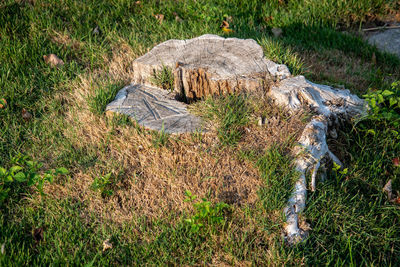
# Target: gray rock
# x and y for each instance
(155, 109)
(388, 40)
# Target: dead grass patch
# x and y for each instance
(343, 70)
(150, 181)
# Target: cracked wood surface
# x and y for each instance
(155, 109)
(209, 65)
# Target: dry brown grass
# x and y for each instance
(65, 40)
(337, 67)
(151, 181)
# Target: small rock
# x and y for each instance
(277, 32)
(177, 18)
(96, 30)
(53, 60)
(387, 40)
(229, 19)
(107, 245)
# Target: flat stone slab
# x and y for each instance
(155, 109)
(388, 40)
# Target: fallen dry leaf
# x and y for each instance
(26, 115)
(227, 30)
(396, 162)
(107, 245)
(159, 17)
(3, 103)
(388, 189)
(225, 27)
(397, 17)
(53, 60)
(268, 19)
(277, 32)
(224, 24)
(2, 249)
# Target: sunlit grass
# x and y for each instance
(350, 218)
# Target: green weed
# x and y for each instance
(102, 184)
(279, 177)
(25, 173)
(385, 104)
(206, 213)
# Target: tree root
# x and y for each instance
(312, 150)
(331, 106)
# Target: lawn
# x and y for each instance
(74, 178)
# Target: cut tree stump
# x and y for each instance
(212, 65)
(209, 65)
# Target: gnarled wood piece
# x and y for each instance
(331, 105)
(209, 65)
(296, 92)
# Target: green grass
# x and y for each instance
(164, 78)
(102, 97)
(232, 113)
(352, 222)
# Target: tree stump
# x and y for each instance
(209, 65)
(212, 65)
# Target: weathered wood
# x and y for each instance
(155, 109)
(331, 106)
(209, 65)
